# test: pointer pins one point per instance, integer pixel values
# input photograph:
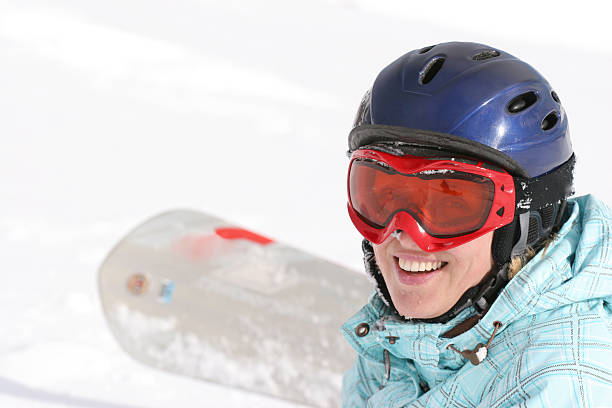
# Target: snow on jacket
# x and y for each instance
(554, 348)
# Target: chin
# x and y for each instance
(416, 311)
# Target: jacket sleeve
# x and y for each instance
(366, 385)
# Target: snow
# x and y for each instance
(432, 172)
(524, 203)
(115, 111)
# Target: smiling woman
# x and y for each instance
(460, 173)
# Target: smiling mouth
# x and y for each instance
(416, 267)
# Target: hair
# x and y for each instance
(518, 261)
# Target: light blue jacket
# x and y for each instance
(554, 348)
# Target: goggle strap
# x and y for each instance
(521, 245)
(539, 192)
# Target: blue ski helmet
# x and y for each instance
(472, 92)
(475, 101)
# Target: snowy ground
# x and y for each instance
(113, 111)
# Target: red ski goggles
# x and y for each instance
(440, 202)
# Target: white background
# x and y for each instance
(113, 111)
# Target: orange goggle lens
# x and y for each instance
(445, 203)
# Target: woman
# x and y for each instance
(493, 288)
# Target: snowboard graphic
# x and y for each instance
(195, 295)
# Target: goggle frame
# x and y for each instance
(501, 213)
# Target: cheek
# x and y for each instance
(475, 257)
(379, 254)
(382, 260)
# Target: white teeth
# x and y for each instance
(414, 266)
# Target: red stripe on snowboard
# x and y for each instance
(241, 233)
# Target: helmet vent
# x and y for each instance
(550, 121)
(548, 216)
(425, 49)
(430, 70)
(522, 102)
(535, 229)
(555, 96)
(485, 55)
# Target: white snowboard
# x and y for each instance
(195, 295)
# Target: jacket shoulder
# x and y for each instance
(561, 358)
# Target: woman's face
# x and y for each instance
(427, 284)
